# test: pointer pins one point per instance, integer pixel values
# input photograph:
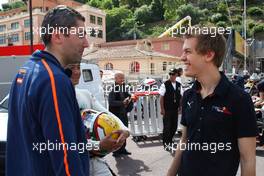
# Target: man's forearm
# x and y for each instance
(162, 103)
(178, 155)
(247, 149)
(248, 167)
(176, 161)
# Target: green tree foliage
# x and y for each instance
(131, 29)
(156, 31)
(128, 23)
(251, 24)
(205, 14)
(115, 16)
(219, 17)
(14, 5)
(114, 19)
(6, 6)
(222, 8)
(194, 12)
(115, 3)
(236, 21)
(239, 17)
(152, 13)
(95, 3)
(143, 14)
(142, 18)
(107, 4)
(249, 2)
(258, 28)
(238, 28)
(208, 4)
(221, 24)
(170, 7)
(255, 11)
(144, 2)
(17, 4)
(131, 4)
(157, 10)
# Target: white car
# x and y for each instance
(90, 79)
(3, 132)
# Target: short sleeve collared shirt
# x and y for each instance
(213, 126)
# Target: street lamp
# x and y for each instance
(245, 35)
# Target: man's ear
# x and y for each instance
(56, 38)
(209, 56)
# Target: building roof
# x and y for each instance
(117, 52)
(12, 12)
(133, 42)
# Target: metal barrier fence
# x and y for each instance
(145, 118)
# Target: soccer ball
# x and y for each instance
(98, 125)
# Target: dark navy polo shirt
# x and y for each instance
(214, 125)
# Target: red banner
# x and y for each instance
(19, 50)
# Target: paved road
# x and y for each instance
(149, 159)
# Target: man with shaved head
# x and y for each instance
(119, 104)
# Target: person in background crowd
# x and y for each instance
(170, 96)
(101, 74)
(259, 109)
(86, 100)
(259, 102)
(179, 77)
(239, 81)
(120, 104)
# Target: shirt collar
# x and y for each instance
(221, 88)
(40, 54)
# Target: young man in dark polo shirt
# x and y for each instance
(218, 118)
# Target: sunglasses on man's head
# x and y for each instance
(172, 74)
